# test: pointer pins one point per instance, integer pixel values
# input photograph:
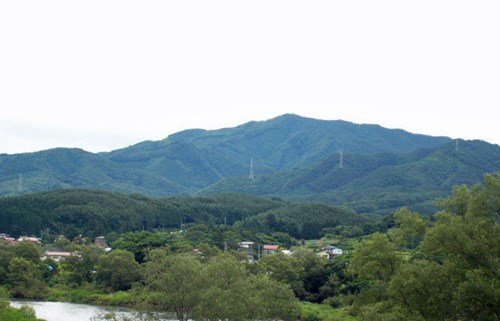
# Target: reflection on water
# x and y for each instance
(62, 311)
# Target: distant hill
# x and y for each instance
(377, 183)
(93, 213)
(75, 168)
(192, 160)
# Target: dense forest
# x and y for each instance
(402, 267)
(95, 213)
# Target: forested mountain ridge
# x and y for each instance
(74, 211)
(377, 183)
(191, 160)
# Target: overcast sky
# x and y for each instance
(102, 75)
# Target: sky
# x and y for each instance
(102, 75)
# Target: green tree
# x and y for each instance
(272, 300)
(226, 290)
(80, 268)
(28, 251)
(25, 279)
(284, 269)
(178, 278)
(453, 275)
(117, 270)
(410, 229)
(6, 254)
(375, 258)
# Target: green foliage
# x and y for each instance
(375, 258)
(179, 279)
(322, 312)
(117, 270)
(25, 279)
(218, 289)
(192, 160)
(24, 313)
(454, 273)
(377, 183)
(95, 213)
(410, 229)
(140, 243)
(79, 269)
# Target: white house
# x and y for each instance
(330, 252)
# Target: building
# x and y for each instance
(58, 255)
(330, 252)
(247, 249)
(101, 242)
(270, 249)
(31, 239)
(7, 238)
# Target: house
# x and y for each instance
(330, 252)
(58, 255)
(31, 239)
(269, 249)
(101, 242)
(247, 249)
(7, 238)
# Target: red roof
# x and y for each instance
(271, 247)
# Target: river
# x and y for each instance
(63, 311)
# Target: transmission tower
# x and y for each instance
(20, 183)
(341, 161)
(251, 176)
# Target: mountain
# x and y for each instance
(73, 168)
(293, 157)
(377, 183)
(196, 157)
(191, 160)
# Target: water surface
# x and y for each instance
(62, 311)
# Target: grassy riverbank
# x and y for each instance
(144, 300)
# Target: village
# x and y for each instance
(250, 250)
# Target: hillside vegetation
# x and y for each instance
(377, 183)
(293, 158)
(94, 213)
(194, 159)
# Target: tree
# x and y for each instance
(28, 251)
(454, 273)
(410, 229)
(284, 269)
(117, 270)
(272, 300)
(6, 254)
(178, 278)
(80, 268)
(231, 293)
(25, 279)
(375, 258)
